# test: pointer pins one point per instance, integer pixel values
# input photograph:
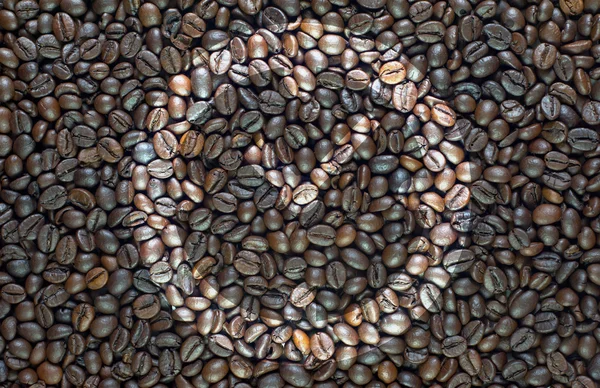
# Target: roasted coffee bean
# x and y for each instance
(583, 139)
(299, 193)
(514, 370)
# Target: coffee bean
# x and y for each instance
(321, 235)
(304, 194)
(405, 96)
(392, 72)
(544, 56)
(146, 306)
(583, 139)
(431, 297)
(454, 346)
(394, 169)
(443, 115)
(13, 293)
(302, 295)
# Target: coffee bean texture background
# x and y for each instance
(293, 193)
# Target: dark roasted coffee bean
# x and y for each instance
(193, 192)
(583, 139)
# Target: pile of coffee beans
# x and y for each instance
(291, 193)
